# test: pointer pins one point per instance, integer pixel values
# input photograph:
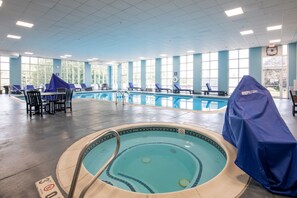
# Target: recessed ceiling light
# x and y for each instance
(13, 36)
(141, 58)
(29, 53)
(63, 57)
(246, 32)
(92, 59)
(275, 41)
(233, 12)
(1, 3)
(68, 55)
(24, 24)
(163, 55)
(191, 51)
(276, 27)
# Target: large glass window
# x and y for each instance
(186, 71)
(275, 73)
(150, 73)
(238, 67)
(210, 70)
(36, 71)
(167, 72)
(137, 73)
(99, 73)
(4, 71)
(73, 71)
(124, 75)
(115, 77)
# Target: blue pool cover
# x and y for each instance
(55, 83)
(267, 150)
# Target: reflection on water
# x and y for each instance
(161, 100)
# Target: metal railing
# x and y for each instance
(81, 157)
(122, 95)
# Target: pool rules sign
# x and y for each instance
(47, 188)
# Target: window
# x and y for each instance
(4, 71)
(186, 72)
(124, 75)
(150, 73)
(166, 72)
(275, 73)
(238, 67)
(115, 77)
(73, 71)
(137, 73)
(99, 73)
(210, 70)
(36, 71)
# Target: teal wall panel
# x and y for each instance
(158, 70)
(15, 71)
(292, 63)
(197, 73)
(120, 76)
(255, 63)
(176, 67)
(88, 77)
(143, 74)
(223, 71)
(57, 67)
(130, 72)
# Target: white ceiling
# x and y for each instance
(123, 30)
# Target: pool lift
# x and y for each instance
(120, 94)
(82, 155)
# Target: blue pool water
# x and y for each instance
(155, 161)
(162, 100)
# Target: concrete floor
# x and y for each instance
(30, 148)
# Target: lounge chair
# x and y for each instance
(209, 90)
(72, 86)
(294, 101)
(104, 86)
(159, 88)
(30, 87)
(84, 87)
(131, 87)
(16, 89)
(179, 89)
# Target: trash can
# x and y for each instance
(6, 88)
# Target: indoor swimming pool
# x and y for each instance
(188, 102)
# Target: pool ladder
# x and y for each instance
(82, 155)
(121, 93)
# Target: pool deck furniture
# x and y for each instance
(159, 88)
(294, 101)
(35, 104)
(132, 87)
(209, 90)
(179, 89)
(16, 89)
(64, 102)
(72, 86)
(85, 88)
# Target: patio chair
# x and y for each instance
(36, 105)
(66, 102)
(159, 88)
(294, 101)
(104, 86)
(132, 87)
(27, 102)
(179, 89)
(84, 87)
(209, 90)
(16, 89)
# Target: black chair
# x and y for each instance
(35, 103)
(65, 102)
(294, 101)
(27, 102)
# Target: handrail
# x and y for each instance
(81, 157)
(122, 92)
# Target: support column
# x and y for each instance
(130, 72)
(15, 71)
(255, 63)
(143, 74)
(176, 68)
(292, 64)
(57, 67)
(88, 76)
(223, 79)
(158, 70)
(197, 73)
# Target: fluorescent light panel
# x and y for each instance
(24, 24)
(1, 3)
(246, 32)
(163, 55)
(191, 51)
(13, 36)
(276, 27)
(141, 58)
(233, 12)
(29, 53)
(275, 41)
